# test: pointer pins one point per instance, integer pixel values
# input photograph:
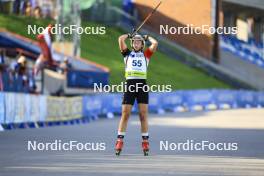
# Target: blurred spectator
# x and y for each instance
(12, 71)
(45, 58)
(21, 69)
(21, 65)
(2, 69)
(40, 64)
(2, 58)
(28, 9)
(64, 66)
(1, 80)
(37, 12)
(16, 7)
(31, 82)
(15, 75)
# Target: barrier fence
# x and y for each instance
(25, 108)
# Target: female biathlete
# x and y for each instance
(136, 65)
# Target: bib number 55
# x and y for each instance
(137, 63)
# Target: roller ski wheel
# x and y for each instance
(145, 147)
(118, 147)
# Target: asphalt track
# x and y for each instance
(245, 127)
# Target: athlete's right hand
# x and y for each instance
(129, 36)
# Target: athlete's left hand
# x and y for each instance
(145, 37)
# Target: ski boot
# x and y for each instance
(145, 147)
(119, 146)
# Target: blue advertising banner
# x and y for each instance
(86, 79)
(92, 105)
(155, 102)
(112, 103)
(260, 98)
(246, 99)
(225, 97)
(19, 108)
(199, 97)
(172, 100)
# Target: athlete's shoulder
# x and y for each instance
(148, 53)
(125, 52)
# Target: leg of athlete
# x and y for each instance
(143, 116)
(126, 111)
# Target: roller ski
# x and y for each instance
(145, 147)
(119, 146)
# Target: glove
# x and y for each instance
(129, 35)
(145, 37)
